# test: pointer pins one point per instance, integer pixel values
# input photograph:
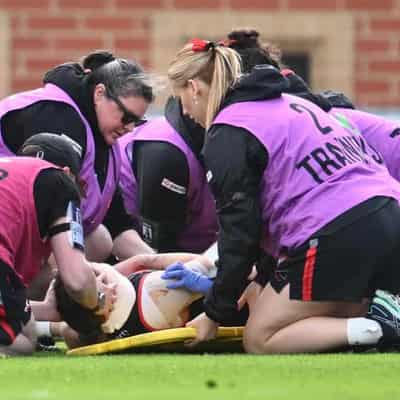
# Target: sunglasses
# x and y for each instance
(128, 117)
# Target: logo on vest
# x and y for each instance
(209, 176)
(173, 186)
(147, 232)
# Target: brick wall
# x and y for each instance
(47, 32)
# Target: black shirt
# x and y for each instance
(162, 211)
(60, 118)
(53, 191)
(235, 183)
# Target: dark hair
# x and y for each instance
(252, 52)
(81, 319)
(121, 77)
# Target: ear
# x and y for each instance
(99, 93)
(194, 87)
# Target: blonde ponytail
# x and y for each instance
(227, 71)
(216, 65)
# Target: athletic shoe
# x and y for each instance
(385, 309)
(46, 343)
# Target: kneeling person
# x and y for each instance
(39, 202)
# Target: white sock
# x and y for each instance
(43, 328)
(363, 331)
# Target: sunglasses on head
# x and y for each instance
(128, 117)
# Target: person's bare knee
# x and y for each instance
(25, 342)
(254, 340)
(259, 330)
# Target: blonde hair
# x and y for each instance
(219, 67)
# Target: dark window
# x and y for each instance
(298, 62)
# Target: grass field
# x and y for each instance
(192, 377)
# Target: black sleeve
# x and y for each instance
(117, 220)
(53, 190)
(236, 161)
(337, 99)
(44, 116)
(265, 266)
(162, 175)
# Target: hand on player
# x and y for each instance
(185, 278)
(108, 295)
(50, 303)
(206, 329)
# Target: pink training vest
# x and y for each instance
(20, 244)
(97, 201)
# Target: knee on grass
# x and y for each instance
(256, 342)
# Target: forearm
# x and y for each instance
(239, 238)
(153, 261)
(44, 311)
(82, 286)
(129, 244)
(75, 271)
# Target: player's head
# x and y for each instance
(81, 319)
(85, 321)
(201, 74)
(59, 150)
(252, 52)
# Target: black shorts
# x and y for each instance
(348, 264)
(15, 311)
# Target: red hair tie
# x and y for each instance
(287, 71)
(201, 45)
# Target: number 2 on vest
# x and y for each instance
(300, 109)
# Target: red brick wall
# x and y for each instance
(48, 32)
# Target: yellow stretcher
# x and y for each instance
(229, 339)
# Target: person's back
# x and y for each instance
(88, 103)
(312, 156)
(328, 181)
(196, 217)
(380, 133)
(21, 245)
(40, 214)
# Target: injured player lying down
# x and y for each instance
(145, 300)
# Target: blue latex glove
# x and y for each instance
(184, 278)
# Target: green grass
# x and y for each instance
(192, 377)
